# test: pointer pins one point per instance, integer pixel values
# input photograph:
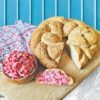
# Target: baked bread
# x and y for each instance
(47, 41)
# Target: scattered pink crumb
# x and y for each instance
(53, 76)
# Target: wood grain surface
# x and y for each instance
(34, 91)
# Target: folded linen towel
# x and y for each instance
(14, 37)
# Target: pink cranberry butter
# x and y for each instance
(19, 64)
(54, 76)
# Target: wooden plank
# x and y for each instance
(11, 11)
(36, 91)
(2, 18)
(24, 10)
(36, 11)
(89, 12)
(49, 6)
(63, 8)
(75, 9)
(98, 14)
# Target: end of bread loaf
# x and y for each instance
(78, 58)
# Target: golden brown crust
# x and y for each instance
(49, 38)
(52, 32)
(42, 55)
(55, 50)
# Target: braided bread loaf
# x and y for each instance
(48, 41)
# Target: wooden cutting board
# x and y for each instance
(34, 91)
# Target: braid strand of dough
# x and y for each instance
(47, 42)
